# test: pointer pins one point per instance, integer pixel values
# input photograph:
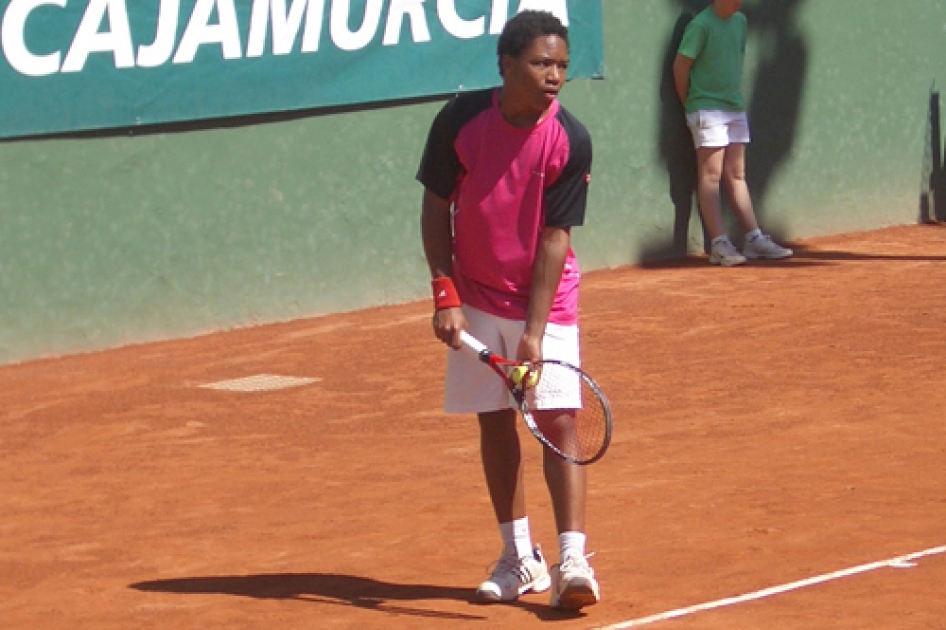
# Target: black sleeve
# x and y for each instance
(440, 167)
(567, 199)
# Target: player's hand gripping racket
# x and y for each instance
(564, 408)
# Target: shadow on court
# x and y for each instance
(345, 590)
(821, 449)
(803, 257)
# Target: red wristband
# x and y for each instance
(445, 294)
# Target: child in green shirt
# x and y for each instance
(707, 74)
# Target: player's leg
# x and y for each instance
(757, 243)
(502, 463)
(473, 388)
(711, 137)
(709, 164)
(566, 482)
(573, 582)
(737, 189)
(567, 488)
(521, 567)
(710, 172)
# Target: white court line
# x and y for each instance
(900, 562)
(260, 383)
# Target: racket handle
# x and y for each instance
(472, 343)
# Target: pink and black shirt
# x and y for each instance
(506, 184)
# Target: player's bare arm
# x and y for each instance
(551, 253)
(437, 236)
(681, 76)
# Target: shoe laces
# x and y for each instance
(575, 562)
(509, 565)
(726, 248)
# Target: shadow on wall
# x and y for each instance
(675, 148)
(778, 89)
(932, 176)
(773, 111)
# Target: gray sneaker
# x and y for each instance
(764, 247)
(513, 577)
(725, 253)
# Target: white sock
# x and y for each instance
(753, 235)
(572, 544)
(516, 537)
(720, 239)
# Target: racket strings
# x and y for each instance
(571, 413)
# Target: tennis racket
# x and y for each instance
(565, 409)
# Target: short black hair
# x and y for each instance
(522, 30)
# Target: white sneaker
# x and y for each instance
(725, 253)
(513, 577)
(573, 584)
(764, 247)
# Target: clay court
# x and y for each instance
(779, 462)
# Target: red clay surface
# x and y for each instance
(774, 422)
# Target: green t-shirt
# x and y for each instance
(718, 50)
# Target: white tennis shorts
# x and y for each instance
(473, 387)
(716, 129)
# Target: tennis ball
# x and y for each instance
(523, 375)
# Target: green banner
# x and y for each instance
(70, 65)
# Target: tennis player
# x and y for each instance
(505, 174)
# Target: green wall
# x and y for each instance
(109, 240)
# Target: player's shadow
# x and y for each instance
(344, 590)
(773, 109)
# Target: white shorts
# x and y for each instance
(716, 129)
(472, 386)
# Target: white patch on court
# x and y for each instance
(900, 562)
(260, 383)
